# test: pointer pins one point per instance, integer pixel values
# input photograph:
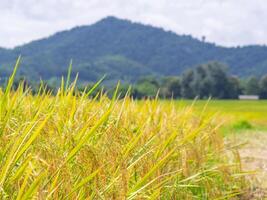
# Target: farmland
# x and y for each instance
(161, 100)
(69, 146)
(244, 124)
(235, 115)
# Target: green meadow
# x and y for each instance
(234, 115)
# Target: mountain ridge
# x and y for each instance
(114, 18)
(126, 50)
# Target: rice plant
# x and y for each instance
(70, 146)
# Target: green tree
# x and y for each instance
(252, 86)
(187, 90)
(146, 87)
(234, 88)
(263, 87)
(210, 79)
(217, 73)
(171, 87)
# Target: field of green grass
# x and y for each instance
(234, 115)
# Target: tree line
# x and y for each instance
(211, 79)
(203, 81)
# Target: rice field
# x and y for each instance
(70, 146)
(234, 115)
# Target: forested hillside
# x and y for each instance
(125, 50)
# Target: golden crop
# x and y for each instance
(69, 146)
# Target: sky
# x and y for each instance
(225, 22)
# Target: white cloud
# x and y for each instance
(226, 22)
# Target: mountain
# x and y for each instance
(125, 50)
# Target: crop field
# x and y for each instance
(234, 115)
(244, 123)
(69, 146)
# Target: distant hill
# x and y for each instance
(125, 50)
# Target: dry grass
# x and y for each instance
(253, 155)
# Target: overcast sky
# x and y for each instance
(226, 22)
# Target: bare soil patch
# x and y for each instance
(254, 158)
